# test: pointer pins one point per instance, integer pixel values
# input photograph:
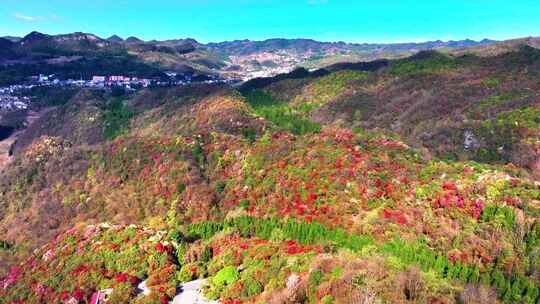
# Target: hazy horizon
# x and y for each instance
(264, 39)
(321, 20)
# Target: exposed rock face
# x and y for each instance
(292, 282)
(296, 291)
(470, 141)
(190, 294)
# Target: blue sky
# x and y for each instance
(328, 20)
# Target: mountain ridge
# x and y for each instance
(114, 36)
(236, 60)
(281, 42)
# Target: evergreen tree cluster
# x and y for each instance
(5, 245)
(512, 289)
(281, 114)
(303, 232)
(532, 239)
(505, 214)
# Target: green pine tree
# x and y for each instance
(474, 278)
(464, 273)
(516, 290)
(531, 294)
(506, 292)
(498, 279)
(485, 278)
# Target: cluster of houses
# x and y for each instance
(96, 81)
(10, 102)
(11, 99)
(129, 83)
(119, 80)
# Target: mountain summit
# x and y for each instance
(34, 37)
(115, 39)
(133, 40)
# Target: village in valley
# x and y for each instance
(15, 97)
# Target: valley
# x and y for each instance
(81, 55)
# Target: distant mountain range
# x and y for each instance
(44, 45)
(246, 47)
(245, 59)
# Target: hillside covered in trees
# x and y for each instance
(412, 181)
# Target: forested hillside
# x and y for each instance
(415, 181)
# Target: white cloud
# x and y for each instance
(29, 18)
